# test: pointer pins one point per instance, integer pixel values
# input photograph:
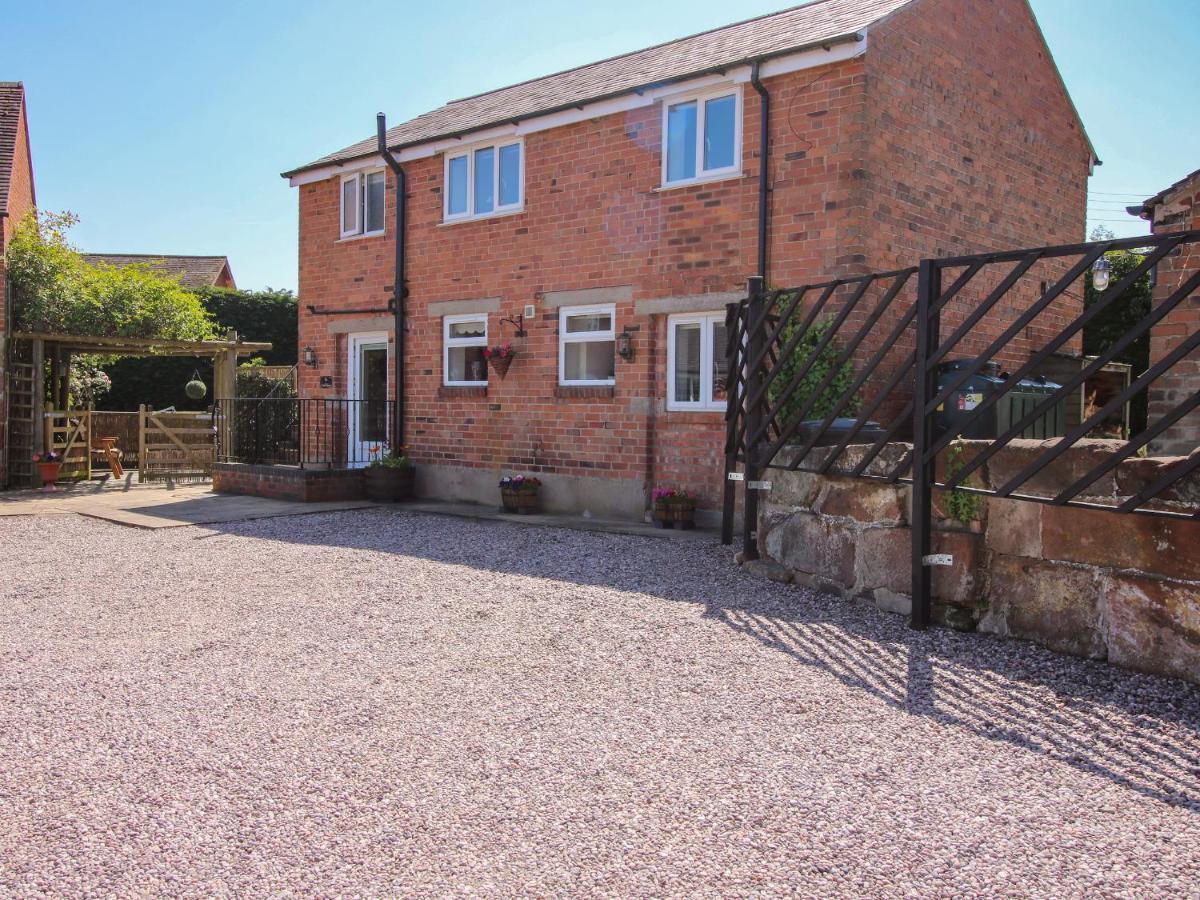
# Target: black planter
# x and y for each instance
(387, 485)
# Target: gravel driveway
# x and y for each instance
(383, 703)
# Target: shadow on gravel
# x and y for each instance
(1140, 732)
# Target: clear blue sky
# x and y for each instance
(165, 125)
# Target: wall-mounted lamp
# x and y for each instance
(310, 357)
(625, 345)
(1101, 274)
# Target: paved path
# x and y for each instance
(155, 505)
(386, 703)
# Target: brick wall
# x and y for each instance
(595, 218)
(1178, 210)
(285, 483)
(20, 202)
(973, 146)
(1096, 584)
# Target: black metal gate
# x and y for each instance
(849, 377)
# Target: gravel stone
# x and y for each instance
(378, 702)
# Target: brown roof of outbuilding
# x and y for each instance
(12, 100)
(774, 34)
(193, 271)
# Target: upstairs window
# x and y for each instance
(702, 137)
(464, 364)
(364, 201)
(587, 340)
(484, 181)
(696, 362)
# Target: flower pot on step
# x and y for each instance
(388, 484)
(520, 500)
(48, 471)
(679, 514)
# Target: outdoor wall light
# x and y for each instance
(310, 357)
(625, 345)
(1101, 273)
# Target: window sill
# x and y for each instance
(585, 392)
(359, 237)
(462, 391)
(702, 410)
(460, 220)
(706, 179)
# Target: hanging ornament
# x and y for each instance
(195, 389)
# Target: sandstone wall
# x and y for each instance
(1091, 583)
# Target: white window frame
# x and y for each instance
(360, 200)
(448, 342)
(706, 321)
(469, 152)
(699, 98)
(581, 337)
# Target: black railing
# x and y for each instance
(817, 384)
(309, 433)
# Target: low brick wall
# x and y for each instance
(1096, 584)
(288, 483)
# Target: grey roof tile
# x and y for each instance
(772, 34)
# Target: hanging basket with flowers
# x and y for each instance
(500, 357)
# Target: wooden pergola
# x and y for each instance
(29, 352)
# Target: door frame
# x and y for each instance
(356, 342)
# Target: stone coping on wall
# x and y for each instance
(1089, 582)
(1122, 482)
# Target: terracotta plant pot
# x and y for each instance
(523, 501)
(49, 474)
(500, 364)
(387, 485)
(675, 514)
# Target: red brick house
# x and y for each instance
(616, 207)
(192, 271)
(1175, 209)
(16, 199)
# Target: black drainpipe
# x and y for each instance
(399, 288)
(763, 184)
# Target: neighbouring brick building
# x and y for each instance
(16, 199)
(618, 203)
(1175, 209)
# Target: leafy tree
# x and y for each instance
(54, 290)
(251, 382)
(88, 382)
(268, 315)
(1119, 318)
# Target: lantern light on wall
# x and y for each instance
(625, 345)
(1101, 273)
(310, 357)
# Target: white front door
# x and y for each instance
(367, 417)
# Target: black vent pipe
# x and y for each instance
(399, 287)
(763, 184)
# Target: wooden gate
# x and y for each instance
(174, 444)
(69, 434)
